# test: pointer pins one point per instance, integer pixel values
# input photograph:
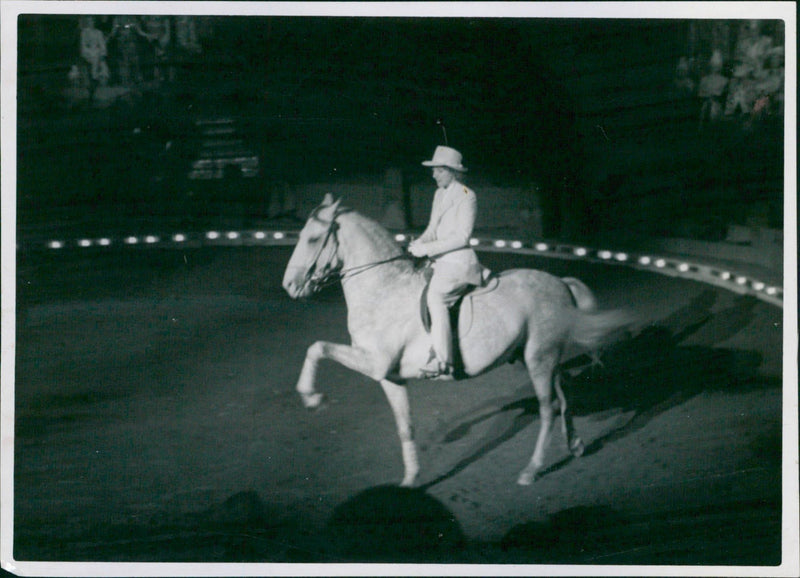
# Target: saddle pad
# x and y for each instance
(490, 284)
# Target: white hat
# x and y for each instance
(446, 157)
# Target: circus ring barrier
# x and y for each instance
(730, 279)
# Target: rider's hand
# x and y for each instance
(417, 249)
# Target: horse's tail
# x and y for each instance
(583, 296)
(592, 328)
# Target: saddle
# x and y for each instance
(490, 281)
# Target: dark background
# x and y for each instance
(584, 111)
(141, 353)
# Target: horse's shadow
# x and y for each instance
(643, 376)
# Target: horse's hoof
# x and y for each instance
(526, 478)
(410, 478)
(577, 448)
(314, 401)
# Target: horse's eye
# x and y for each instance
(314, 239)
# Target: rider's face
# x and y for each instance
(443, 176)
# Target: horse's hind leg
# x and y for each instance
(574, 443)
(398, 399)
(541, 367)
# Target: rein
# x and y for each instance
(332, 277)
(353, 271)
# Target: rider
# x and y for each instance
(446, 242)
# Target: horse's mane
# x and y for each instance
(384, 241)
(375, 230)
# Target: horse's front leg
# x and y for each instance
(398, 399)
(353, 358)
(376, 367)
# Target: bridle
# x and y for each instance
(318, 277)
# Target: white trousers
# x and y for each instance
(443, 292)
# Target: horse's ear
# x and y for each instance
(329, 206)
(329, 203)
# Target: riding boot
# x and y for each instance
(441, 362)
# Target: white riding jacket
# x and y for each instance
(446, 239)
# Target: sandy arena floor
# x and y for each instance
(156, 420)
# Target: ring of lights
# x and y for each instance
(730, 280)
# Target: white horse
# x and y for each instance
(530, 315)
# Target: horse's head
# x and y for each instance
(315, 258)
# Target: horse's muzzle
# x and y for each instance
(298, 290)
(295, 284)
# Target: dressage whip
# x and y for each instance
(444, 130)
